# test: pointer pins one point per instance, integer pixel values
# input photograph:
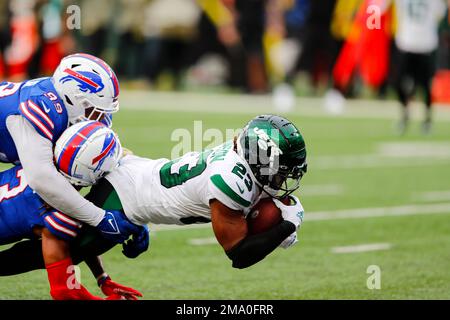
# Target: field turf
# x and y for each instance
(371, 197)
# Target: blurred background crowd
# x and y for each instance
(247, 45)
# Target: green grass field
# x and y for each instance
(365, 185)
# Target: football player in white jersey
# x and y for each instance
(220, 186)
(416, 40)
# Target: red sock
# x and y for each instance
(63, 288)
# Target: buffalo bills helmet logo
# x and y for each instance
(108, 150)
(87, 81)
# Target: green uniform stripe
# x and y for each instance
(113, 202)
(221, 184)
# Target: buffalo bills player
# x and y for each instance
(24, 215)
(34, 113)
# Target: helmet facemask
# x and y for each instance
(92, 112)
(286, 180)
(279, 180)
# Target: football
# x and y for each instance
(264, 216)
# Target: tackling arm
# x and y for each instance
(36, 157)
(230, 228)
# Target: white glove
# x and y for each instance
(293, 213)
(289, 241)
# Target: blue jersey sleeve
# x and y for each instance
(60, 225)
(45, 116)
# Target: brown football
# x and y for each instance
(264, 216)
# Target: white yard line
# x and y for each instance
(362, 161)
(257, 104)
(202, 241)
(359, 213)
(388, 154)
(432, 196)
(322, 190)
(414, 149)
(175, 227)
(362, 248)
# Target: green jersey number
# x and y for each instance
(178, 171)
(241, 172)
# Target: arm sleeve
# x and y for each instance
(36, 156)
(254, 248)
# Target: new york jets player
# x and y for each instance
(416, 39)
(220, 185)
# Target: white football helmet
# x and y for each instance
(88, 87)
(86, 152)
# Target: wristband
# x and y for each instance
(101, 279)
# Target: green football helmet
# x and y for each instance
(276, 153)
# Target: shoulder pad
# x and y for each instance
(232, 185)
(46, 115)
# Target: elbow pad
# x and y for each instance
(253, 249)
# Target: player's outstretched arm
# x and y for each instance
(230, 228)
(36, 156)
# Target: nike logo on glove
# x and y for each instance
(114, 227)
(112, 224)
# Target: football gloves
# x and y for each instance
(116, 227)
(137, 244)
(292, 213)
(289, 241)
(111, 289)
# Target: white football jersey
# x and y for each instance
(417, 24)
(162, 191)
